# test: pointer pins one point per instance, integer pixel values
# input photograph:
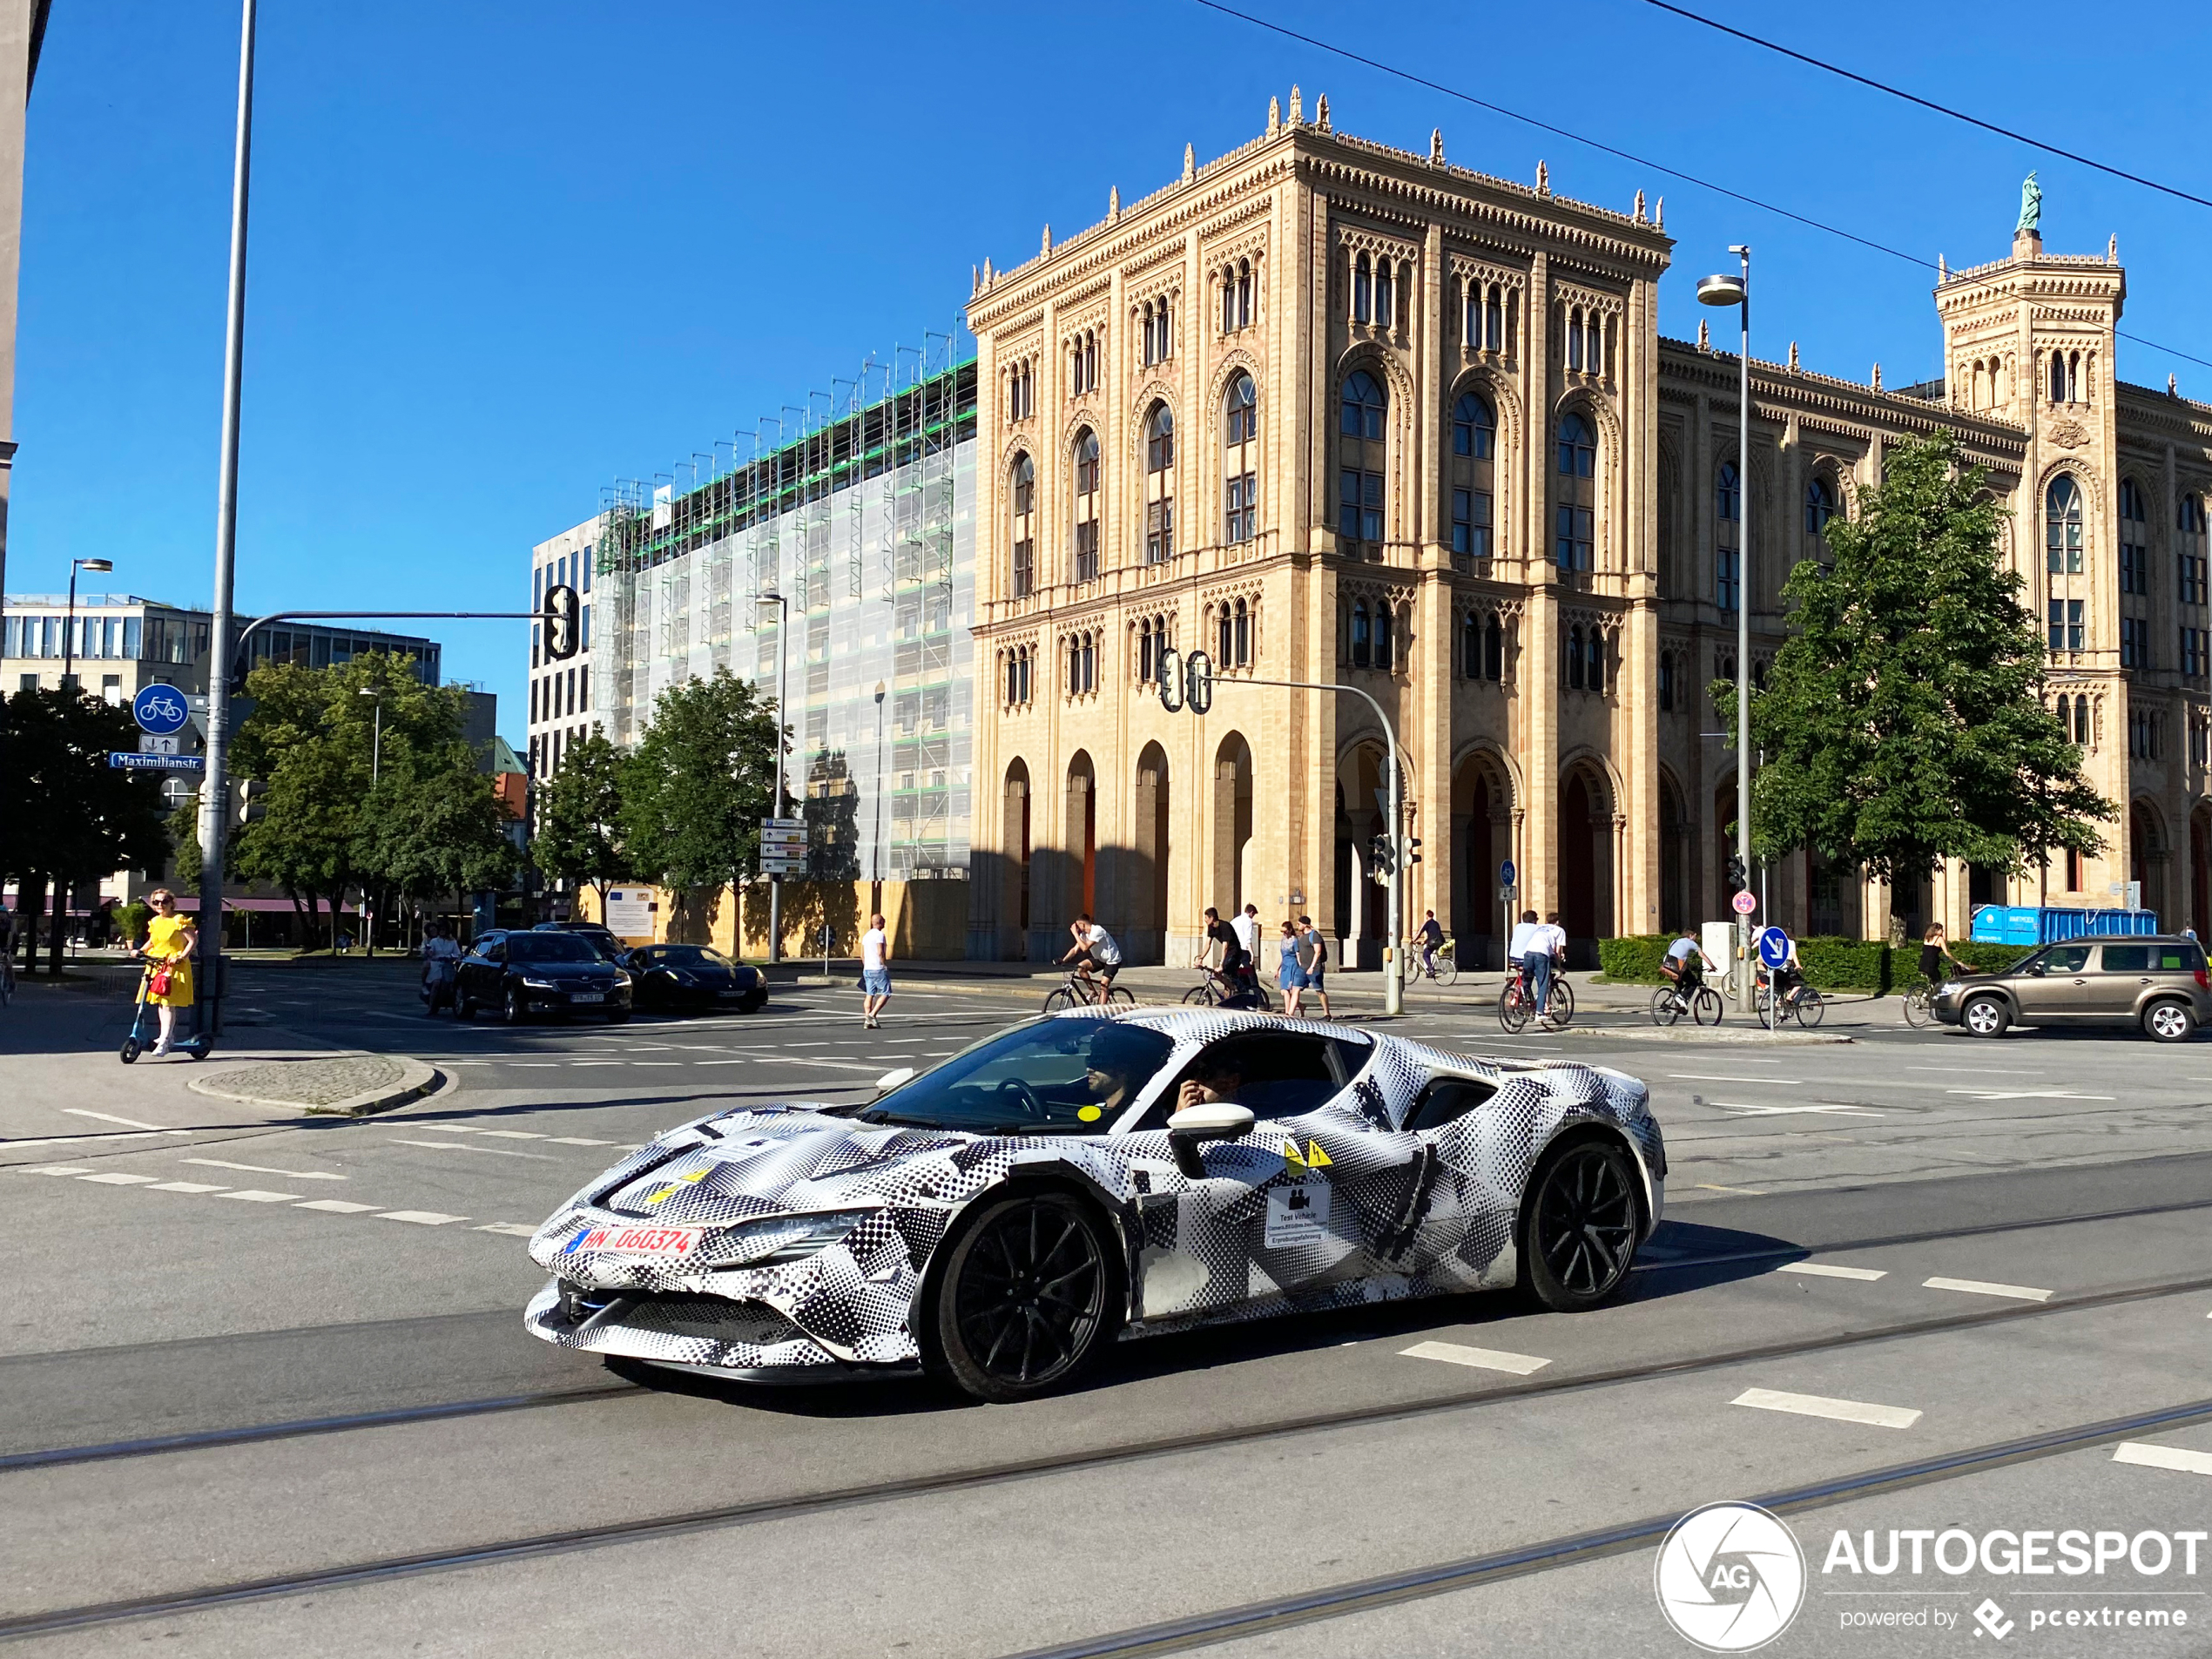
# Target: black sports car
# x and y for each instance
(689, 978)
(521, 974)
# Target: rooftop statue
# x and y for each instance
(2031, 208)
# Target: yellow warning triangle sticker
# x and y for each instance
(1315, 1157)
(1291, 1153)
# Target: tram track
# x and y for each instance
(1221, 1625)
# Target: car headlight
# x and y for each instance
(779, 1238)
(539, 984)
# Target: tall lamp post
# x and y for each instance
(877, 860)
(376, 737)
(69, 628)
(783, 693)
(1736, 290)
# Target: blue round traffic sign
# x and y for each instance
(1774, 948)
(1505, 873)
(161, 709)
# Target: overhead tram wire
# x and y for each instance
(2043, 144)
(1572, 136)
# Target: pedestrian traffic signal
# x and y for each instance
(1197, 682)
(1171, 680)
(563, 625)
(1382, 860)
(1738, 878)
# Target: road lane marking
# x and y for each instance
(2025, 1093)
(512, 1228)
(116, 1178)
(1708, 1186)
(2163, 1457)
(654, 1063)
(420, 1217)
(1983, 1287)
(263, 1169)
(185, 1186)
(127, 1122)
(490, 1151)
(574, 1140)
(1995, 1071)
(1841, 1411)
(1455, 1353)
(254, 1195)
(1714, 1077)
(1830, 1270)
(1743, 1109)
(592, 1063)
(509, 1134)
(59, 1169)
(335, 1206)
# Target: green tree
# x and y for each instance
(579, 816)
(72, 818)
(1901, 721)
(432, 826)
(698, 783)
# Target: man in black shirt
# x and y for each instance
(1235, 962)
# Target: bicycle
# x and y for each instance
(1443, 969)
(1215, 987)
(1517, 1006)
(1702, 1003)
(1919, 1005)
(1077, 991)
(1800, 1002)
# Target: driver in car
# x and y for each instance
(1213, 1078)
(1119, 1062)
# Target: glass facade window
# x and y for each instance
(2062, 527)
(2066, 625)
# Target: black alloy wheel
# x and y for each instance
(516, 1009)
(1027, 1296)
(1581, 1231)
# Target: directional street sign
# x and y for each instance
(788, 841)
(151, 744)
(783, 823)
(1774, 946)
(1744, 903)
(161, 709)
(1505, 873)
(131, 760)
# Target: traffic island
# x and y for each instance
(344, 1085)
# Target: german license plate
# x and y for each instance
(636, 1241)
(587, 996)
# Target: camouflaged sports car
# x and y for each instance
(999, 1217)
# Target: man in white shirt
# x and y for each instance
(1102, 957)
(875, 971)
(1531, 954)
(1246, 923)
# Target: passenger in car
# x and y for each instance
(1214, 1077)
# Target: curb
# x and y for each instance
(416, 1079)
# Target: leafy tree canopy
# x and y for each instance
(698, 783)
(579, 819)
(1902, 722)
(70, 817)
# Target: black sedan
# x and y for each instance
(689, 978)
(522, 973)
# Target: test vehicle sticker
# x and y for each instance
(637, 1241)
(1298, 1215)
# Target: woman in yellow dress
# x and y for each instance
(169, 940)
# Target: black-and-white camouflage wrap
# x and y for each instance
(647, 1264)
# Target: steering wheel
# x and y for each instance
(1025, 1096)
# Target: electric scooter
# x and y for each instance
(195, 1046)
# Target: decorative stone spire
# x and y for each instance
(1877, 377)
(1297, 107)
(989, 276)
(1047, 248)
(1436, 145)
(1704, 336)
(1943, 269)
(1543, 180)
(1189, 163)
(1113, 203)
(1274, 116)
(975, 281)
(1639, 205)
(2173, 386)
(2112, 250)
(1659, 214)
(1793, 357)
(1321, 111)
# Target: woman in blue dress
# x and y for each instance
(1288, 973)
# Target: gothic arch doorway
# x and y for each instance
(1149, 900)
(1232, 822)
(1082, 835)
(1585, 863)
(1014, 839)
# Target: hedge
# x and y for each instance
(1831, 964)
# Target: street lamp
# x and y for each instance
(877, 860)
(69, 628)
(376, 736)
(1736, 290)
(782, 685)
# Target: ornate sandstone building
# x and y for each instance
(1343, 412)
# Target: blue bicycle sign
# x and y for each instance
(161, 709)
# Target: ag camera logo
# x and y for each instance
(1729, 1577)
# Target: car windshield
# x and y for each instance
(1053, 1076)
(686, 956)
(550, 947)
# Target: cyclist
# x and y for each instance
(1236, 965)
(1531, 950)
(1101, 956)
(1684, 974)
(1935, 951)
(1430, 940)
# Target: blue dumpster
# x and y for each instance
(1998, 924)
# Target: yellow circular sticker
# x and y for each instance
(1091, 1114)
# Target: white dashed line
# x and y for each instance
(1714, 1077)
(59, 1169)
(420, 1217)
(1455, 1353)
(1829, 1269)
(2163, 1457)
(1983, 1287)
(511, 1229)
(263, 1169)
(254, 1195)
(185, 1186)
(597, 1062)
(1743, 1110)
(1842, 1411)
(574, 1140)
(489, 1151)
(127, 1122)
(115, 1178)
(334, 1206)
(510, 1134)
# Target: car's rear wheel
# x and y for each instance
(1026, 1299)
(1581, 1234)
(1985, 1017)
(2169, 1022)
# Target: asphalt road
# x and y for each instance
(267, 1391)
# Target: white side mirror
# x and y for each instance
(1218, 1120)
(891, 1079)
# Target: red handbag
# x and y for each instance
(158, 981)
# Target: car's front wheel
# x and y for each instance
(1984, 1016)
(2169, 1022)
(1580, 1233)
(516, 1009)
(1027, 1296)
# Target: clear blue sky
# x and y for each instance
(504, 254)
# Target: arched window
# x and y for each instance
(1596, 644)
(2066, 377)
(1493, 650)
(2081, 721)
(1145, 644)
(1029, 660)
(1021, 392)
(1086, 526)
(1820, 506)
(1728, 534)
(1089, 663)
(1239, 460)
(2135, 538)
(1574, 663)
(1471, 645)
(1359, 471)
(1022, 481)
(1159, 485)
(1241, 656)
(1666, 682)
(1576, 539)
(1574, 340)
(2063, 526)
(1385, 293)
(1362, 639)
(1362, 289)
(1474, 442)
(1224, 638)
(1236, 296)
(1386, 635)
(2188, 550)
(1083, 365)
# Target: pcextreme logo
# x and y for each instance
(1730, 1577)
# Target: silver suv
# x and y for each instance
(2151, 980)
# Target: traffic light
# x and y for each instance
(253, 798)
(1171, 680)
(1413, 849)
(1739, 878)
(1197, 682)
(1381, 859)
(563, 628)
